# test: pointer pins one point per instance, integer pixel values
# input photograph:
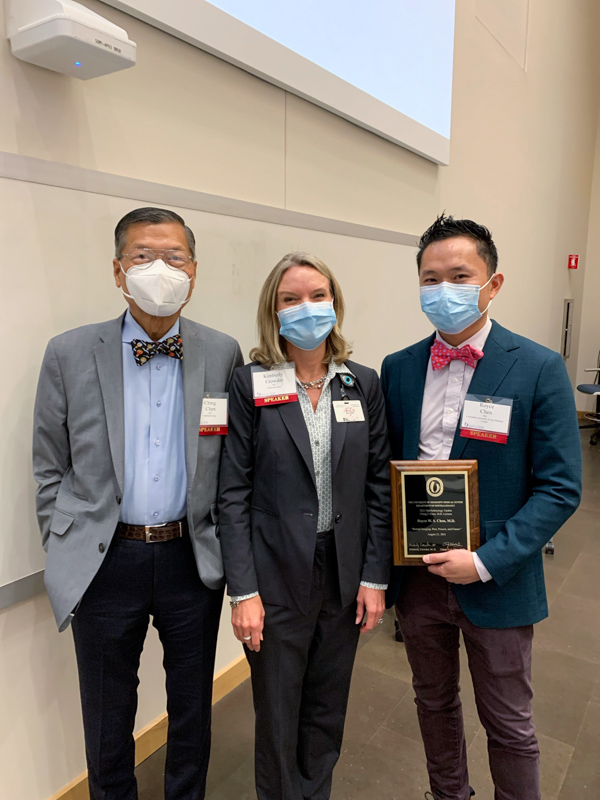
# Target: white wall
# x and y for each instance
(522, 159)
(590, 324)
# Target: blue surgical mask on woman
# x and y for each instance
(307, 324)
(452, 307)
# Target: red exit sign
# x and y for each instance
(573, 262)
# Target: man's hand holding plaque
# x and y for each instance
(456, 566)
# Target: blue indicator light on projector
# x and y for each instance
(78, 63)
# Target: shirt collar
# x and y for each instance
(477, 341)
(340, 369)
(132, 330)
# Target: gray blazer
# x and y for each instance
(78, 452)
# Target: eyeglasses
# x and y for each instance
(144, 257)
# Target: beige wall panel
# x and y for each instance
(590, 323)
(179, 117)
(522, 154)
(507, 23)
(336, 169)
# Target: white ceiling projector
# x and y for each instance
(66, 37)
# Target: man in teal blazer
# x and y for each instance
(529, 485)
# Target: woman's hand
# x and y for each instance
(248, 620)
(371, 602)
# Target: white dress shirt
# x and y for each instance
(443, 399)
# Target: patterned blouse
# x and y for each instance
(319, 431)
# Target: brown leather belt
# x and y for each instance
(153, 533)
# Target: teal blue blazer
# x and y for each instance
(528, 487)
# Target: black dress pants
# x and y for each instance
(301, 682)
(135, 582)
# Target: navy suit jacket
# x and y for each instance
(527, 488)
(269, 507)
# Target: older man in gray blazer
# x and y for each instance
(126, 501)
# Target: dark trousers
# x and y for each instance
(138, 581)
(500, 665)
(301, 682)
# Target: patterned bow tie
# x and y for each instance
(442, 355)
(144, 351)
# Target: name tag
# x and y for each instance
(348, 411)
(214, 415)
(270, 387)
(486, 418)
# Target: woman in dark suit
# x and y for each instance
(304, 524)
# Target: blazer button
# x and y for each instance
(101, 547)
(118, 499)
(338, 518)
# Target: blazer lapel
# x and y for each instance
(413, 390)
(489, 374)
(291, 414)
(193, 366)
(338, 429)
(109, 362)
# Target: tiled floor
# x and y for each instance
(382, 756)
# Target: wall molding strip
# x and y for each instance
(67, 176)
(21, 589)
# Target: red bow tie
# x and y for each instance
(442, 355)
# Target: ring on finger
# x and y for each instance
(246, 638)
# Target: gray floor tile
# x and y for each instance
(555, 577)
(373, 697)
(583, 579)
(232, 735)
(573, 628)
(391, 767)
(582, 781)
(238, 786)
(563, 687)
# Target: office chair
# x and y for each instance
(593, 417)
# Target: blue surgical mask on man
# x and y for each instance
(307, 324)
(452, 307)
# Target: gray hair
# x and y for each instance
(151, 216)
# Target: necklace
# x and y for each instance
(318, 384)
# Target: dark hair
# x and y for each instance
(151, 216)
(449, 228)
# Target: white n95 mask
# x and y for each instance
(159, 290)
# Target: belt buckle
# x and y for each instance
(149, 529)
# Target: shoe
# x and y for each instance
(429, 796)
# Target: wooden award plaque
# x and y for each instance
(435, 507)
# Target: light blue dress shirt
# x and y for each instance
(155, 474)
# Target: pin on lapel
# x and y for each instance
(348, 380)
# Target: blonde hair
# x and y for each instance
(271, 348)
